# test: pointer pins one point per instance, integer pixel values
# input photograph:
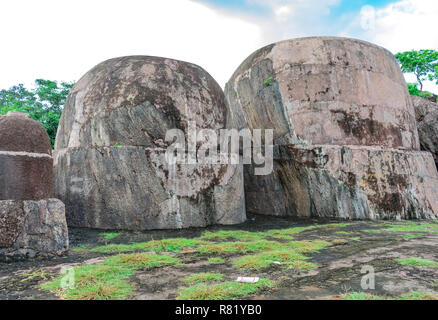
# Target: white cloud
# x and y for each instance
(61, 40)
(401, 26)
(286, 19)
(282, 13)
(368, 18)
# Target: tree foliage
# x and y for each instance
(423, 63)
(43, 103)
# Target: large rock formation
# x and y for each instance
(31, 221)
(346, 142)
(110, 166)
(426, 113)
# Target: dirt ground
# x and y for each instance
(337, 272)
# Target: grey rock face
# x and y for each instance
(345, 182)
(426, 113)
(346, 141)
(110, 167)
(30, 228)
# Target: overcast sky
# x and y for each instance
(61, 40)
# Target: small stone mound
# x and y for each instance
(31, 221)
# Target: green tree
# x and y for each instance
(43, 103)
(423, 63)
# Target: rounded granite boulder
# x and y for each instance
(345, 138)
(110, 167)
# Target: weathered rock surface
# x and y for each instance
(324, 91)
(31, 221)
(426, 113)
(26, 165)
(21, 134)
(348, 182)
(344, 129)
(110, 168)
(30, 228)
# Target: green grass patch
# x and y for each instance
(107, 280)
(287, 233)
(289, 259)
(215, 260)
(95, 282)
(223, 291)
(233, 234)
(333, 225)
(418, 262)
(114, 248)
(343, 232)
(36, 274)
(414, 295)
(238, 247)
(372, 231)
(409, 226)
(165, 245)
(282, 234)
(359, 296)
(412, 236)
(367, 296)
(81, 248)
(109, 235)
(308, 246)
(203, 277)
(142, 260)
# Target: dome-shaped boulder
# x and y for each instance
(110, 166)
(345, 139)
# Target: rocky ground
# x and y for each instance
(294, 260)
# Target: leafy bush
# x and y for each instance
(43, 103)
